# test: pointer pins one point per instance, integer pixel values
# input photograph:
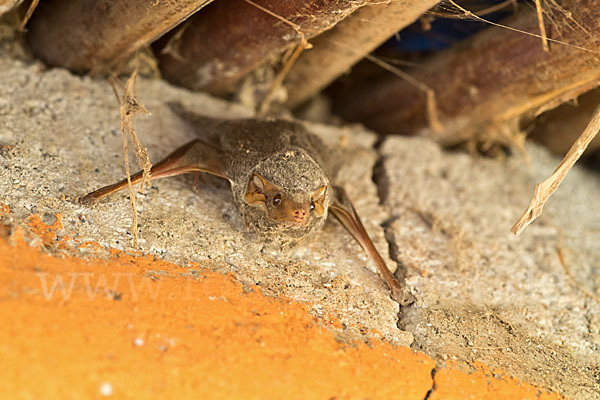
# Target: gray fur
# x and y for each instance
(282, 152)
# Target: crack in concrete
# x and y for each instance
(379, 176)
(381, 181)
(433, 383)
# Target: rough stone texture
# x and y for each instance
(61, 140)
(484, 294)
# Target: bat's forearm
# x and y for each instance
(101, 193)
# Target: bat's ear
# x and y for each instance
(256, 190)
(318, 200)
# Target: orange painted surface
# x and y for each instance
(47, 233)
(135, 327)
(113, 328)
(483, 383)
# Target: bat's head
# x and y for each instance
(293, 209)
(289, 192)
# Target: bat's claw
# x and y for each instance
(402, 296)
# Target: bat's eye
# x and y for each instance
(277, 200)
(312, 205)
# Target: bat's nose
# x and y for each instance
(299, 216)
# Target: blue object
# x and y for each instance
(445, 32)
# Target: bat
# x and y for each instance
(280, 175)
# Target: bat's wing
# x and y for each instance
(343, 209)
(195, 156)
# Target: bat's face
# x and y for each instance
(286, 196)
(289, 210)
